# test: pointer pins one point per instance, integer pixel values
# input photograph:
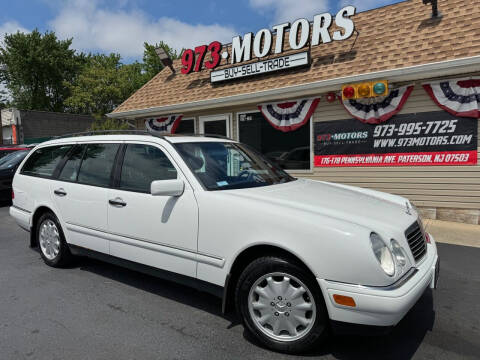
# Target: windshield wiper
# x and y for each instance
(241, 185)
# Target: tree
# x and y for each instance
(34, 67)
(151, 62)
(103, 84)
(3, 99)
(109, 124)
(131, 78)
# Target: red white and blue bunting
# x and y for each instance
(163, 125)
(379, 109)
(289, 116)
(460, 97)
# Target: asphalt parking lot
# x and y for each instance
(94, 310)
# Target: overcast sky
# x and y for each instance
(122, 26)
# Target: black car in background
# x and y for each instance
(6, 150)
(8, 166)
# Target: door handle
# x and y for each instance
(117, 202)
(60, 192)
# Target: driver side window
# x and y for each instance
(143, 164)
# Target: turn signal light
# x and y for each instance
(344, 300)
(365, 90)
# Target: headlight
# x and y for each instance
(399, 253)
(383, 254)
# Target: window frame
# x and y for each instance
(112, 171)
(216, 117)
(64, 161)
(55, 170)
(289, 171)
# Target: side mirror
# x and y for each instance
(167, 187)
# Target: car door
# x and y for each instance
(159, 231)
(80, 191)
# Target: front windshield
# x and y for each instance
(221, 166)
(13, 159)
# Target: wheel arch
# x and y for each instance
(39, 211)
(245, 257)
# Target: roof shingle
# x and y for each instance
(391, 37)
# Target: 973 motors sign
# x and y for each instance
(297, 35)
(433, 138)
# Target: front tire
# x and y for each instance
(281, 305)
(51, 241)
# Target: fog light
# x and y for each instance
(344, 300)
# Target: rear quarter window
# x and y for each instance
(44, 160)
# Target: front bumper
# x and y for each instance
(382, 306)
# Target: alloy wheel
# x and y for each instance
(282, 307)
(49, 239)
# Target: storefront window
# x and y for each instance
(187, 126)
(290, 150)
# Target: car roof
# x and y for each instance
(173, 139)
(2, 148)
(184, 139)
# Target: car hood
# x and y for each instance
(364, 207)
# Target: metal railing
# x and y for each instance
(135, 132)
(105, 132)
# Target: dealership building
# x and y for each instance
(387, 99)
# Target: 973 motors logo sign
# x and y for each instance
(261, 45)
(435, 138)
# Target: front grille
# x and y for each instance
(416, 241)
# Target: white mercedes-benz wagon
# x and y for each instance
(293, 256)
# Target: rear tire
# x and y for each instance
(51, 241)
(281, 304)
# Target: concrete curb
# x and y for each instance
(453, 232)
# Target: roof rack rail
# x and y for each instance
(108, 132)
(136, 132)
(202, 135)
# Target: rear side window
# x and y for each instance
(97, 164)
(143, 164)
(44, 161)
(71, 167)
